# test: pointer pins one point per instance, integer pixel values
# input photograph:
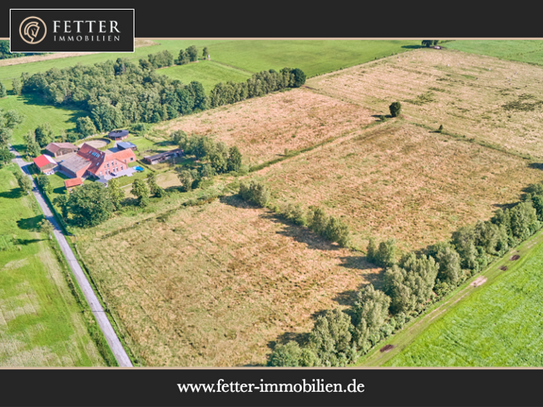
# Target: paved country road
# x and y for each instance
(95, 306)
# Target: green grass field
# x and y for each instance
(40, 322)
(495, 324)
(314, 57)
(208, 73)
(514, 50)
(36, 113)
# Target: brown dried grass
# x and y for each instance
(402, 181)
(215, 284)
(463, 92)
(264, 127)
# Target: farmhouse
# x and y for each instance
(89, 161)
(58, 149)
(118, 135)
(157, 158)
(45, 164)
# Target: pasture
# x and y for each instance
(496, 324)
(530, 51)
(41, 325)
(403, 181)
(490, 100)
(37, 113)
(214, 285)
(264, 127)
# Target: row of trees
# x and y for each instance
(5, 54)
(329, 227)
(410, 284)
(119, 93)
(259, 84)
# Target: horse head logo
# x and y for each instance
(32, 30)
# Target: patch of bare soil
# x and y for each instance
(386, 348)
(478, 281)
(515, 257)
(503, 268)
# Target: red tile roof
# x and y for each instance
(43, 160)
(73, 182)
(54, 147)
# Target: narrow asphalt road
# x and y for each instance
(95, 306)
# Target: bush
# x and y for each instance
(254, 192)
(395, 109)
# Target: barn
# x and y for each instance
(58, 149)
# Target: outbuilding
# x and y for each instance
(126, 145)
(70, 184)
(45, 164)
(58, 149)
(118, 135)
(158, 158)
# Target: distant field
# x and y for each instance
(264, 127)
(475, 96)
(498, 324)
(402, 181)
(208, 73)
(213, 285)
(514, 50)
(41, 325)
(314, 57)
(37, 113)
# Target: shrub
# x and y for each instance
(254, 192)
(395, 109)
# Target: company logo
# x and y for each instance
(32, 30)
(72, 30)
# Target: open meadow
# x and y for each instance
(402, 181)
(490, 100)
(214, 285)
(530, 51)
(41, 324)
(264, 127)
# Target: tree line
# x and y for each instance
(115, 94)
(411, 283)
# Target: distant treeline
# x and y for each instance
(5, 54)
(411, 283)
(116, 94)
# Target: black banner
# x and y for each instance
(271, 387)
(72, 30)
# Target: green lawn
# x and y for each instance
(498, 323)
(36, 112)
(208, 73)
(41, 323)
(514, 50)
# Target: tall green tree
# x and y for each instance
(44, 134)
(141, 191)
(24, 182)
(90, 204)
(116, 193)
(234, 159)
(5, 156)
(5, 137)
(3, 92)
(46, 227)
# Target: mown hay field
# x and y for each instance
(264, 127)
(41, 325)
(472, 96)
(214, 285)
(402, 181)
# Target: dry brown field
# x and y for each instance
(403, 181)
(264, 127)
(476, 96)
(215, 284)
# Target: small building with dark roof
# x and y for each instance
(118, 135)
(157, 158)
(58, 149)
(126, 145)
(45, 164)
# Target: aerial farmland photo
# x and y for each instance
(292, 203)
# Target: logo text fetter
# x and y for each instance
(90, 25)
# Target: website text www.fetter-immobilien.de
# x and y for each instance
(303, 386)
